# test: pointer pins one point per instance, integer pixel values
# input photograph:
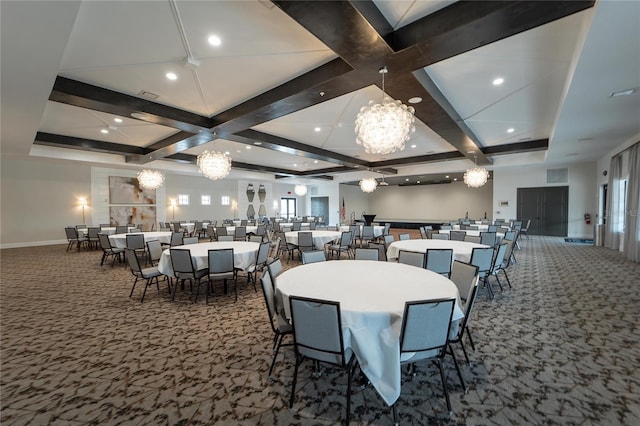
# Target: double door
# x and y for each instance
(547, 207)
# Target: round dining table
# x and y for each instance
(372, 298)
(461, 249)
(378, 230)
(120, 240)
(244, 254)
(109, 230)
(320, 238)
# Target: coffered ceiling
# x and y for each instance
(87, 81)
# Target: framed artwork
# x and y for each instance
(127, 190)
(139, 215)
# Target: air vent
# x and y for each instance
(148, 95)
(557, 175)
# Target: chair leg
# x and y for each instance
(455, 363)
(295, 378)
(146, 285)
(349, 377)
(498, 281)
(504, 271)
(464, 351)
(133, 287)
(279, 338)
(444, 386)
(470, 339)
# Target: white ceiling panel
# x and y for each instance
(402, 12)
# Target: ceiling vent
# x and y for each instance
(148, 95)
(558, 175)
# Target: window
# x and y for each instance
(225, 200)
(183, 199)
(206, 200)
(288, 208)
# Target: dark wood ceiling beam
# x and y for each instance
(62, 141)
(518, 147)
(420, 159)
(174, 148)
(83, 95)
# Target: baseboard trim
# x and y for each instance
(32, 244)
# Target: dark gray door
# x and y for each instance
(547, 207)
(320, 207)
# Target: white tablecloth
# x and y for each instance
(190, 226)
(250, 229)
(320, 238)
(377, 229)
(482, 228)
(372, 297)
(244, 254)
(120, 240)
(461, 250)
(472, 232)
(109, 230)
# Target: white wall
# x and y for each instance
(431, 202)
(582, 197)
(354, 201)
(39, 199)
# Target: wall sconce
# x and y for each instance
(83, 204)
(234, 208)
(173, 207)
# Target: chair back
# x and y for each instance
(411, 258)
(122, 229)
(317, 329)
(255, 238)
(155, 250)
(507, 253)
(355, 231)
(367, 254)
(92, 232)
(104, 242)
(463, 275)
(71, 233)
(510, 235)
(211, 232)
(313, 256)
(439, 260)
(220, 262)
(388, 239)
(345, 238)
(225, 238)
(135, 241)
(312, 226)
(261, 229)
(488, 238)
(492, 228)
(189, 240)
(382, 250)
(181, 263)
(221, 230)
(296, 226)
(240, 233)
(498, 259)
(243, 222)
(423, 233)
(132, 261)
(269, 297)
(482, 257)
(425, 325)
(275, 269)
(367, 232)
(263, 254)
(387, 227)
(472, 239)
(305, 240)
(438, 236)
(457, 235)
(445, 227)
(177, 239)
(404, 237)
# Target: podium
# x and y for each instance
(368, 218)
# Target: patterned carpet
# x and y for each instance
(561, 347)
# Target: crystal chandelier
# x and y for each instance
(300, 190)
(368, 184)
(214, 165)
(384, 128)
(476, 176)
(150, 179)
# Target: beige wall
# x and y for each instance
(39, 198)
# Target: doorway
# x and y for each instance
(320, 208)
(547, 207)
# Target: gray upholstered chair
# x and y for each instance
(277, 319)
(183, 270)
(439, 261)
(412, 258)
(313, 256)
(221, 267)
(363, 253)
(149, 274)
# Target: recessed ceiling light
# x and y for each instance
(510, 130)
(227, 153)
(118, 120)
(623, 92)
(447, 177)
(498, 81)
(315, 161)
(214, 40)
(417, 181)
(248, 146)
(295, 165)
(257, 143)
(172, 76)
(407, 180)
(414, 145)
(105, 131)
(317, 129)
(455, 179)
(415, 100)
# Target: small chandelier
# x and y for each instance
(300, 190)
(476, 176)
(214, 165)
(150, 179)
(384, 128)
(368, 184)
